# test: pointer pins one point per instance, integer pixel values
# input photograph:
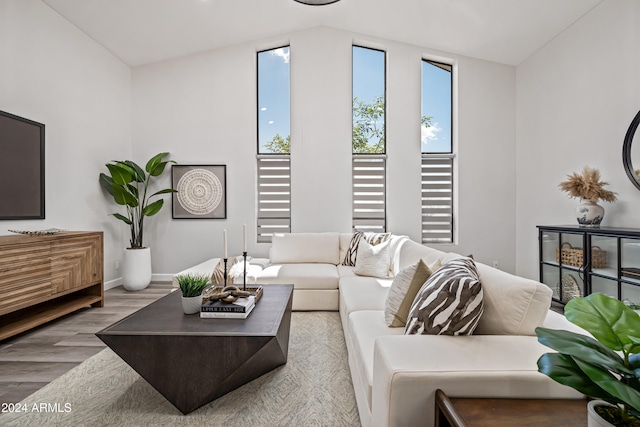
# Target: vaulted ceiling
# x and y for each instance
(146, 31)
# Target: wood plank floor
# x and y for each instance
(33, 359)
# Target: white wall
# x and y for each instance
(53, 73)
(202, 108)
(575, 100)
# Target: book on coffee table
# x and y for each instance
(226, 314)
(241, 305)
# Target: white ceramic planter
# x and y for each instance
(136, 269)
(191, 305)
(593, 419)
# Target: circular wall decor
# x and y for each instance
(199, 191)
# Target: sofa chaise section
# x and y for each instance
(395, 375)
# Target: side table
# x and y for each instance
(481, 412)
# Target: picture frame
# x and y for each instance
(202, 191)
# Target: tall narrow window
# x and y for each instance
(369, 140)
(274, 138)
(437, 153)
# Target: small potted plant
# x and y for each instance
(607, 367)
(588, 187)
(191, 286)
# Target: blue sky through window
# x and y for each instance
(368, 73)
(436, 102)
(273, 96)
(368, 84)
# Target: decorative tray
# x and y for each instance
(255, 290)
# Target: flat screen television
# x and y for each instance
(21, 168)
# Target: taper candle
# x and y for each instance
(244, 237)
(224, 234)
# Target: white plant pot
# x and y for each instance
(593, 419)
(136, 269)
(191, 305)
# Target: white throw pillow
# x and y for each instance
(372, 260)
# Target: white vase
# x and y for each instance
(589, 214)
(191, 305)
(593, 419)
(136, 269)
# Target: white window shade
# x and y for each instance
(274, 196)
(437, 198)
(369, 192)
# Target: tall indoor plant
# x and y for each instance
(128, 184)
(607, 367)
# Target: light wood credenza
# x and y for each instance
(45, 277)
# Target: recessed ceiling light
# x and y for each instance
(316, 2)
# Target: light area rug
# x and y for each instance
(313, 388)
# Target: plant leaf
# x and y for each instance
(133, 190)
(139, 174)
(123, 197)
(155, 165)
(564, 370)
(106, 182)
(611, 384)
(607, 319)
(153, 208)
(581, 346)
(123, 218)
(165, 191)
(122, 175)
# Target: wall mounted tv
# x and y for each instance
(21, 168)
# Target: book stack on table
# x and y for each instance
(239, 309)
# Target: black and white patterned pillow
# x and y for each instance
(373, 238)
(449, 302)
(376, 238)
(352, 251)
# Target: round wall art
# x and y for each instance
(201, 193)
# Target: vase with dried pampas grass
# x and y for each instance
(589, 188)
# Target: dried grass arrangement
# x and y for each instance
(587, 185)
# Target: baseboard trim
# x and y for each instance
(113, 283)
(162, 277)
(154, 278)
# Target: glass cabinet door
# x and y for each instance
(604, 286)
(604, 256)
(562, 264)
(630, 260)
(630, 271)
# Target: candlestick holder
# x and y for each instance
(244, 275)
(225, 271)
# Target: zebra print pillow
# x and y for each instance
(449, 302)
(373, 238)
(352, 251)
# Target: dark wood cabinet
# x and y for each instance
(577, 261)
(45, 277)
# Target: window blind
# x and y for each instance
(274, 196)
(437, 198)
(369, 192)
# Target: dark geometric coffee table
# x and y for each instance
(192, 361)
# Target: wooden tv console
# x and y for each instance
(45, 277)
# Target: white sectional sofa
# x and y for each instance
(395, 376)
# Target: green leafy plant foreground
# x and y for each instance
(607, 367)
(192, 285)
(127, 183)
